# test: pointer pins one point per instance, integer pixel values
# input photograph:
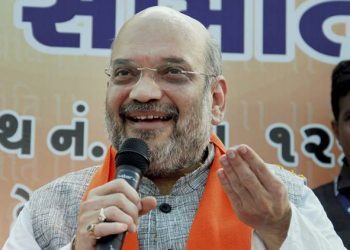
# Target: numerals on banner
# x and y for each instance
(317, 144)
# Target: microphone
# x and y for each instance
(132, 161)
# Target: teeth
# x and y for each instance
(149, 117)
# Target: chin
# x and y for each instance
(150, 135)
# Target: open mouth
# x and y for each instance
(151, 113)
(148, 118)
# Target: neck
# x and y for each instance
(165, 183)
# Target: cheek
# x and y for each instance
(189, 99)
(344, 137)
(115, 98)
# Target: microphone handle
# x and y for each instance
(131, 175)
(111, 242)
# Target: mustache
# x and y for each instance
(169, 109)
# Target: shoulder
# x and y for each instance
(54, 208)
(286, 175)
(73, 183)
(325, 188)
(76, 178)
(325, 191)
(295, 184)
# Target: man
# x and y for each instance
(335, 196)
(166, 87)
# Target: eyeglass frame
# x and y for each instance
(107, 71)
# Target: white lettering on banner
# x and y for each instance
(87, 28)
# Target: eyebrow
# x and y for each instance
(121, 61)
(176, 60)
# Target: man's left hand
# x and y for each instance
(258, 197)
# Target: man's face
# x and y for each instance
(341, 128)
(173, 118)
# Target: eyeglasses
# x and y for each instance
(165, 75)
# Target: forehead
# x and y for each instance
(151, 39)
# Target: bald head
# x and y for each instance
(170, 32)
(167, 18)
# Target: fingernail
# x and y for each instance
(133, 228)
(124, 226)
(231, 154)
(224, 161)
(243, 149)
(139, 206)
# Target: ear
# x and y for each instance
(335, 129)
(218, 91)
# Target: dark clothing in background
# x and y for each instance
(334, 209)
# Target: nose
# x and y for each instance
(146, 89)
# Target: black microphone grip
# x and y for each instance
(131, 175)
(132, 161)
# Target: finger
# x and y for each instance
(233, 179)
(147, 204)
(267, 179)
(232, 195)
(114, 214)
(105, 229)
(115, 186)
(122, 202)
(238, 169)
(117, 200)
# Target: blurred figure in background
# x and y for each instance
(335, 196)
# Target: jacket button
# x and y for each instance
(165, 208)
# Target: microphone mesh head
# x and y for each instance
(134, 152)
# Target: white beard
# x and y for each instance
(185, 145)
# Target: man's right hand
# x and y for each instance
(122, 207)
